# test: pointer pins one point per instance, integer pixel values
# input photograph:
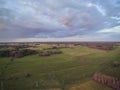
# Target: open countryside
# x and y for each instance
(58, 66)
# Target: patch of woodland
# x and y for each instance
(17, 53)
(49, 52)
(102, 46)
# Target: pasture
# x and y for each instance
(70, 70)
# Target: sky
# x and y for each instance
(59, 20)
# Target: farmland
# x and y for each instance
(58, 67)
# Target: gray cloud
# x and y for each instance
(57, 18)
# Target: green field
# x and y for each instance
(64, 71)
(89, 85)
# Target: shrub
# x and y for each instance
(27, 75)
(49, 52)
(116, 64)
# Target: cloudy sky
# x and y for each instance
(59, 20)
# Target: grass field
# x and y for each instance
(59, 72)
(89, 85)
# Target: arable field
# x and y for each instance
(70, 70)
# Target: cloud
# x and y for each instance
(111, 30)
(58, 18)
(101, 10)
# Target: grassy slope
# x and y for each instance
(74, 65)
(90, 85)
